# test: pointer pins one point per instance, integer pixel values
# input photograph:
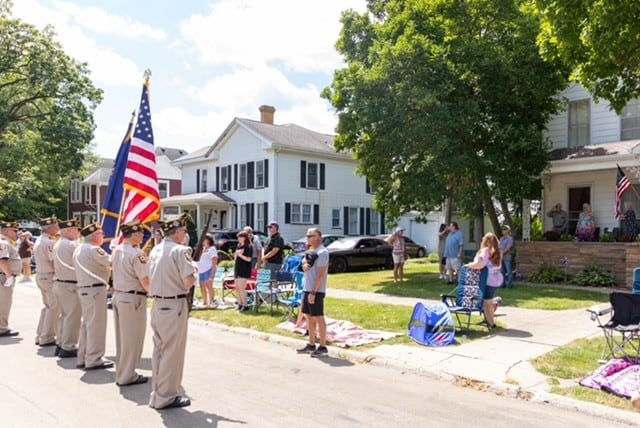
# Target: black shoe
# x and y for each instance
(322, 351)
(42, 345)
(9, 333)
(57, 351)
(102, 365)
(179, 402)
(140, 379)
(308, 349)
(79, 366)
(63, 353)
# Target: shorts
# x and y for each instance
(489, 292)
(453, 263)
(204, 276)
(315, 310)
(398, 258)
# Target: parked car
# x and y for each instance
(227, 240)
(357, 252)
(300, 245)
(413, 248)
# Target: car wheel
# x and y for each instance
(339, 265)
(420, 253)
(388, 263)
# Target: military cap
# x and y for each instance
(10, 225)
(174, 222)
(90, 228)
(131, 227)
(48, 221)
(73, 222)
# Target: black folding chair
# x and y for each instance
(622, 330)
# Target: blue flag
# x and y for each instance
(113, 202)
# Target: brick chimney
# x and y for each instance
(266, 114)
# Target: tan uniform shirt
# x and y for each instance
(92, 265)
(9, 250)
(130, 266)
(43, 253)
(63, 259)
(169, 264)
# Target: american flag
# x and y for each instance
(622, 185)
(142, 200)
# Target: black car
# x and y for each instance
(413, 248)
(227, 240)
(358, 252)
(300, 245)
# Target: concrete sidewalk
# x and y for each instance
(501, 359)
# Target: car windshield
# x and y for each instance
(343, 244)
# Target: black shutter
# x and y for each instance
(235, 176)
(316, 214)
(252, 209)
(303, 174)
(361, 221)
(367, 225)
(346, 220)
(287, 213)
(235, 216)
(383, 227)
(217, 179)
(250, 175)
(229, 177)
(321, 176)
(367, 185)
(198, 180)
(264, 216)
(266, 173)
(247, 208)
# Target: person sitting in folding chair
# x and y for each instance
(489, 255)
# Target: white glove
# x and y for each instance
(9, 281)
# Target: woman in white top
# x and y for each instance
(489, 255)
(207, 267)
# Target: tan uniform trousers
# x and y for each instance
(169, 321)
(130, 319)
(93, 329)
(70, 314)
(47, 329)
(6, 298)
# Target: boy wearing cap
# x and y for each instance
(92, 265)
(506, 246)
(131, 284)
(172, 273)
(273, 252)
(10, 266)
(47, 329)
(64, 288)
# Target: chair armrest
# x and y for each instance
(599, 310)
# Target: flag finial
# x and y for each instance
(146, 74)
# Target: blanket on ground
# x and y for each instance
(342, 333)
(618, 376)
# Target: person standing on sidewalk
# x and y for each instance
(506, 247)
(172, 273)
(47, 329)
(257, 246)
(10, 265)
(92, 265)
(398, 253)
(64, 288)
(489, 256)
(273, 252)
(130, 270)
(315, 267)
(453, 251)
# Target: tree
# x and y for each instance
(46, 119)
(599, 40)
(444, 98)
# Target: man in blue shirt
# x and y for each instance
(506, 246)
(453, 250)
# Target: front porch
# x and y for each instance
(198, 206)
(618, 257)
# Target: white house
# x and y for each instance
(257, 171)
(589, 140)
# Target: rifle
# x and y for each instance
(196, 256)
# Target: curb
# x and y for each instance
(538, 394)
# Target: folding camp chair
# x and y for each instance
(622, 330)
(229, 285)
(293, 302)
(432, 325)
(264, 292)
(467, 297)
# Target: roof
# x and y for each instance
(164, 170)
(197, 198)
(171, 153)
(630, 147)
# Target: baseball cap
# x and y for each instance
(274, 224)
(506, 227)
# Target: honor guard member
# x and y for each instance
(47, 329)
(172, 273)
(64, 288)
(130, 271)
(92, 265)
(10, 266)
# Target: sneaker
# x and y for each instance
(308, 349)
(322, 351)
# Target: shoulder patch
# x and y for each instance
(101, 251)
(143, 259)
(3, 246)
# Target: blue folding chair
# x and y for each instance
(293, 302)
(467, 298)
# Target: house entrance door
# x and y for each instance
(577, 197)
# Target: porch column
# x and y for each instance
(198, 217)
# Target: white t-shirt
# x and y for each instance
(206, 261)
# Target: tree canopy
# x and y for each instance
(444, 98)
(599, 40)
(46, 119)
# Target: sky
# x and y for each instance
(211, 61)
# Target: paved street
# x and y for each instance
(243, 380)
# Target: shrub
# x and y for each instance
(595, 276)
(547, 274)
(433, 258)
(567, 238)
(607, 237)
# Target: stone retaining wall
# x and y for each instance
(617, 257)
